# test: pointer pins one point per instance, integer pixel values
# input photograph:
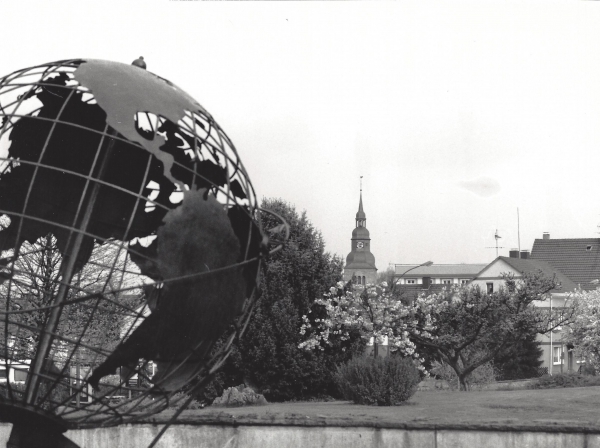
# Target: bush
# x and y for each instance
(482, 375)
(239, 396)
(565, 380)
(386, 381)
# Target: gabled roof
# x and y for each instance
(528, 265)
(440, 270)
(577, 258)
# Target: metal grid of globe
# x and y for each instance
(131, 243)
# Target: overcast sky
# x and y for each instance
(455, 114)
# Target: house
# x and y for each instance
(13, 371)
(411, 280)
(435, 274)
(556, 357)
(491, 277)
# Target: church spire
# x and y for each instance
(361, 217)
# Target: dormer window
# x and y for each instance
(589, 248)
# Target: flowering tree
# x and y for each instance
(473, 327)
(375, 313)
(583, 332)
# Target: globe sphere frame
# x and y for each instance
(201, 158)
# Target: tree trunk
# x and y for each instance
(463, 383)
(375, 349)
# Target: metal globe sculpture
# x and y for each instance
(130, 242)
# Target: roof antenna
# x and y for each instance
(518, 232)
(497, 237)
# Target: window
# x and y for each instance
(364, 282)
(3, 375)
(411, 281)
(464, 281)
(557, 355)
(490, 287)
(446, 281)
(20, 375)
(359, 279)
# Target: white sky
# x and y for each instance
(426, 100)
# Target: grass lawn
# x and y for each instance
(567, 407)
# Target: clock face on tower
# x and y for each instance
(360, 245)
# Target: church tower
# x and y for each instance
(360, 262)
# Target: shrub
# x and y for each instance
(239, 396)
(482, 375)
(565, 380)
(377, 381)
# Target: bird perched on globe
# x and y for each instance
(143, 203)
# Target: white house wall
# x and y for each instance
(493, 274)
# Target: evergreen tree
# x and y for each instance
(522, 361)
(267, 356)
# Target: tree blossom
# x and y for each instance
(583, 332)
(376, 313)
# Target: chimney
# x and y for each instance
(546, 236)
(513, 253)
(524, 254)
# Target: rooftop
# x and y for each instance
(440, 270)
(577, 258)
(529, 265)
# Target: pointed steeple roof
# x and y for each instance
(361, 213)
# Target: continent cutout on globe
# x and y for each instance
(123, 96)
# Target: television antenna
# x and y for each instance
(496, 237)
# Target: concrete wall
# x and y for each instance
(226, 436)
(302, 437)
